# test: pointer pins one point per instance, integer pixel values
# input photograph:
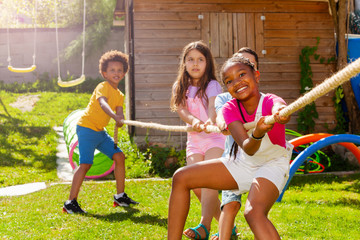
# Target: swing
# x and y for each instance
(33, 66)
(82, 78)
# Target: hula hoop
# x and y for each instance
(317, 136)
(74, 165)
(299, 160)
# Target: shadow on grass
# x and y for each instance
(5, 109)
(326, 179)
(131, 213)
(18, 142)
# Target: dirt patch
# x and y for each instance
(25, 103)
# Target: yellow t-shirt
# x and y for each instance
(94, 117)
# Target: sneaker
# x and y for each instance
(72, 206)
(123, 201)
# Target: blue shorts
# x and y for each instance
(228, 196)
(89, 140)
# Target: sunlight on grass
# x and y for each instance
(303, 213)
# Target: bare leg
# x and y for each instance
(208, 174)
(119, 171)
(210, 204)
(78, 179)
(191, 160)
(227, 219)
(261, 198)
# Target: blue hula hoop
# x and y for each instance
(301, 158)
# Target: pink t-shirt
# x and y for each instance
(232, 113)
(212, 90)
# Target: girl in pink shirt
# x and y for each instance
(261, 164)
(193, 98)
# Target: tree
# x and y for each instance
(99, 19)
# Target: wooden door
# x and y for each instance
(225, 33)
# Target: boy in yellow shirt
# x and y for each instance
(106, 99)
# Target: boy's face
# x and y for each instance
(114, 73)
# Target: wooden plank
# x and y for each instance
(235, 39)
(141, 85)
(250, 30)
(148, 68)
(224, 35)
(296, 51)
(172, 34)
(285, 17)
(152, 96)
(166, 16)
(157, 59)
(299, 34)
(161, 49)
(269, 67)
(280, 85)
(230, 35)
(163, 42)
(205, 28)
(259, 34)
(287, 42)
(229, 1)
(153, 105)
(269, 6)
(214, 34)
(298, 25)
(242, 36)
(291, 76)
(155, 78)
(167, 24)
(155, 114)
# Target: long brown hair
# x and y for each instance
(183, 82)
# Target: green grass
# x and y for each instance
(314, 207)
(27, 139)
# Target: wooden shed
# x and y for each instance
(157, 30)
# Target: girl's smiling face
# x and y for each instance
(241, 80)
(195, 65)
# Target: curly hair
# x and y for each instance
(113, 56)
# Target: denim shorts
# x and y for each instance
(89, 140)
(228, 196)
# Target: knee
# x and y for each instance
(252, 214)
(119, 157)
(179, 177)
(85, 167)
(232, 208)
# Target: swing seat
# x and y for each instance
(22, 70)
(71, 83)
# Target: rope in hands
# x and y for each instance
(326, 86)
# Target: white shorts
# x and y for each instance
(244, 172)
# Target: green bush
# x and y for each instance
(165, 160)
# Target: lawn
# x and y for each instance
(314, 207)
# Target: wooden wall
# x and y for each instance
(277, 30)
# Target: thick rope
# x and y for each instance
(326, 86)
(116, 136)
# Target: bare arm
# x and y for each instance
(220, 122)
(187, 117)
(107, 109)
(249, 144)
